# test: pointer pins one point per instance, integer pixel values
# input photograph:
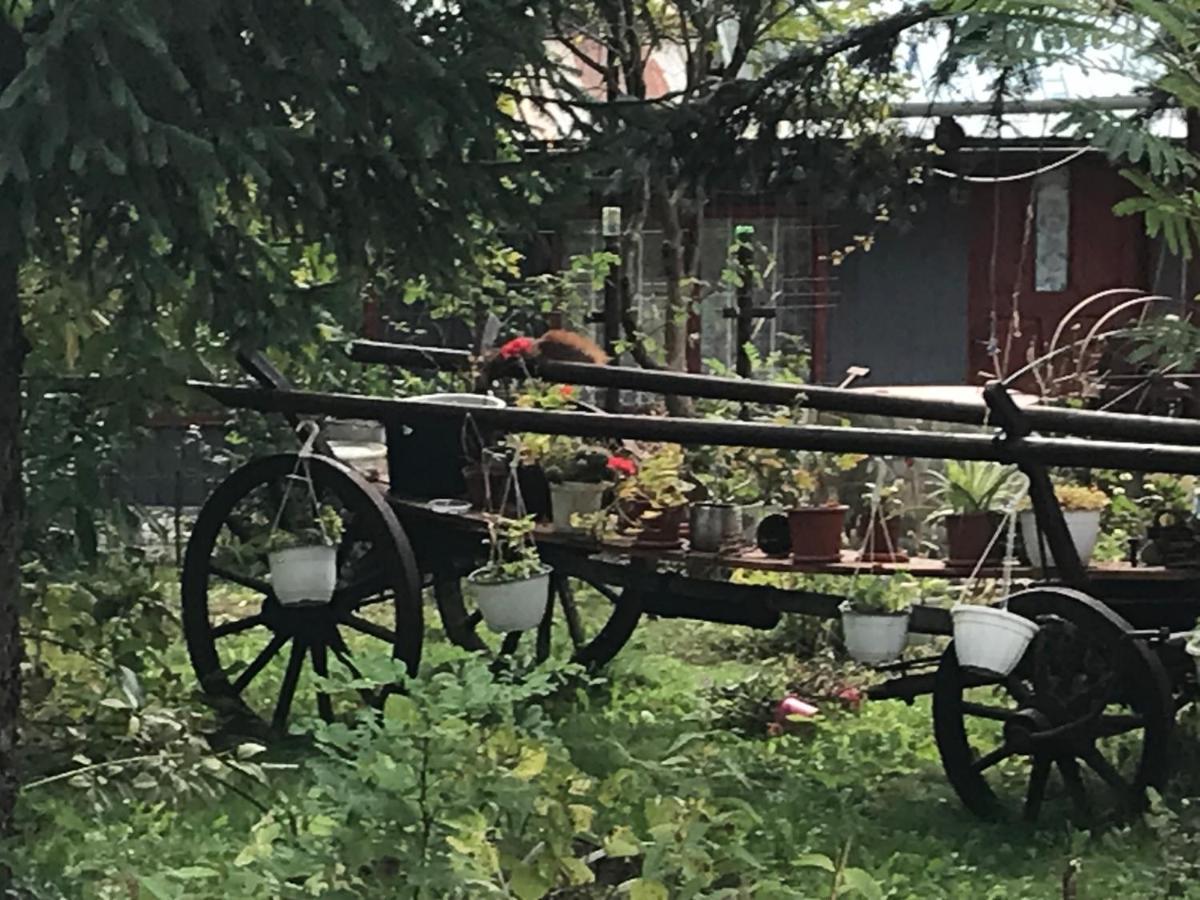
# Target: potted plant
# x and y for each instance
(971, 496)
(653, 500)
(880, 529)
(990, 638)
(512, 589)
(1082, 506)
(579, 476)
(816, 518)
(303, 557)
(716, 522)
(875, 617)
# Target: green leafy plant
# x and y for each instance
(512, 552)
(973, 486)
(878, 594)
(569, 460)
(303, 526)
(890, 498)
(815, 481)
(724, 474)
(659, 483)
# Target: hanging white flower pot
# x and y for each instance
(874, 638)
(1083, 524)
(1193, 650)
(570, 497)
(990, 639)
(304, 576)
(511, 605)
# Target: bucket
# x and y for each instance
(304, 576)
(713, 526)
(512, 605)
(990, 639)
(570, 497)
(1083, 524)
(874, 638)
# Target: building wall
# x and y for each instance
(902, 309)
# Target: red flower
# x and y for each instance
(518, 346)
(851, 696)
(622, 465)
(566, 391)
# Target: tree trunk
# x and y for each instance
(12, 357)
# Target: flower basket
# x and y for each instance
(990, 639)
(570, 497)
(515, 605)
(875, 637)
(713, 526)
(816, 533)
(1083, 525)
(304, 576)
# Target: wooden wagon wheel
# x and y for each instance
(1087, 701)
(235, 628)
(593, 647)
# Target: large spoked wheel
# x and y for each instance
(248, 650)
(596, 619)
(1083, 723)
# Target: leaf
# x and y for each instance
(527, 883)
(158, 887)
(249, 750)
(815, 861)
(622, 843)
(860, 881)
(531, 764)
(193, 872)
(646, 889)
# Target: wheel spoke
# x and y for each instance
(320, 658)
(259, 663)
(338, 645)
(358, 623)
(983, 711)
(566, 597)
(1073, 780)
(1106, 770)
(237, 626)
(246, 581)
(1036, 791)
(1113, 725)
(1020, 691)
(372, 587)
(985, 762)
(509, 645)
(288, 689)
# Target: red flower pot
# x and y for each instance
(967, 538)
(817, 533)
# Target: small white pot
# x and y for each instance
(990, 639)
(874, 638)
(1083, 524)
(570, 497)
(1193, 650)
(512, 605)
(304, 576)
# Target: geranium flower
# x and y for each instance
(566, 391)
(622, 465)
(518, 346)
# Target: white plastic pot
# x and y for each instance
(570, 497)
(874, 638)
(1084, 526)
(1193, 650)
(486, 401)
(303, 576)
(990, 639)
(512, 605)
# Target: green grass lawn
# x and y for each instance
(670, 722)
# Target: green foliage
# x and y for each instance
(512, 552)
(659, 483)
(883, 593)
(973, 486)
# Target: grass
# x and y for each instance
(864, 783)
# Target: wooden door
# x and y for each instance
(1072, 247)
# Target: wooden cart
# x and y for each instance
(1095, 696)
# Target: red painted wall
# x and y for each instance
(1106, 251)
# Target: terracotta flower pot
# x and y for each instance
(967, 538)
(662, 530)
(816, 533)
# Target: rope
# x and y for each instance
(302, 457)
(1020, 176)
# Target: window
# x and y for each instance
(1053, 227)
